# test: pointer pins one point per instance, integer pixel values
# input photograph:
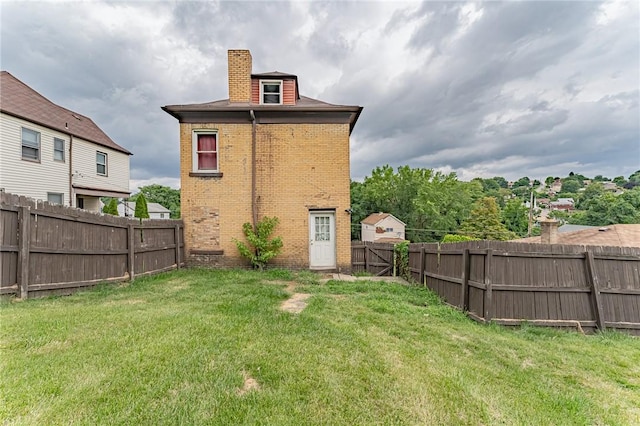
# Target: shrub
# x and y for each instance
(402, 260)
(263, 247)
(452, 238)
(142, 211)
(111, 207)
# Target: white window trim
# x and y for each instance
(194, 150)
(39, 148)
(278, 82)
(106, 164)
(63, 150)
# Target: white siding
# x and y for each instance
(390, 222)
(368, 232)
(85, 172)
(29, 178)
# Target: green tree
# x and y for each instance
(635, 177)
(619, 180)
(515, 217)
(261, 248)
(142, 211)
(111, 207)
(484, 222)
(595, 190)
(570, 186)
(549, 180)
(163, 195)
(502, 182)
(523, 181)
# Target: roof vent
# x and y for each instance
(605, 229)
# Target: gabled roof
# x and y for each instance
(375, 218)
(151, 207)
(610, 235)
(21, 101)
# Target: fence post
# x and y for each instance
(422, 264)
(131, 248)
(24, 248)
(488, 293)
(177, 241)
(366, 258)
(464, 292)
(596, 299)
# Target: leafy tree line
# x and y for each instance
(433, 204)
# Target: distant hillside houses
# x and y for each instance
(563, 204)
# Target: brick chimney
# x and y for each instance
(549, 231)
(239, 75)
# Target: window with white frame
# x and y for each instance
(55, 197)
(101, 163)
(271, 91)
(58, 149)
(205, 151)
(30, 145)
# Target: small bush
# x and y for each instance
(452, 238)
(111, 207)
(264, 248)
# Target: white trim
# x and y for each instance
(61, 160)
(194, 150)
(279, 83)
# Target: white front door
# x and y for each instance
(322, 240)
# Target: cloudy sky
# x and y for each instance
(483, 89)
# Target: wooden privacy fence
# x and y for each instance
(512, 283)
(374, 258)
(50, 249)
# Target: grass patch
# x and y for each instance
(213, 347)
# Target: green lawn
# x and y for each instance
(212, 347)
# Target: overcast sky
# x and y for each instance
(483, 89)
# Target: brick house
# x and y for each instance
(266, 151)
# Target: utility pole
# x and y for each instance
(530, 214)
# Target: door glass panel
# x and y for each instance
(322, 228)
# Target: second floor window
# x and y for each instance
(101, 163)
(271, 92)
(205, 151)
(58, 149)
(30, 145)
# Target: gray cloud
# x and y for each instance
(495, 88)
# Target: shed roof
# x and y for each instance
(375, 218)
(611, 235)
(21, 101)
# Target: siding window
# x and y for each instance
(55, 197)
(101, 163)
(58, 149)
(205, 151)
(30, 145)
(271, 92)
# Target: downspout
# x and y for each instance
(254, 207)
(71, 196)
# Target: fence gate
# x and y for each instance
(379, 260)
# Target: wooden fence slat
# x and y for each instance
(464, 292)
(176, 238)
(596, 299)
(422, 266)
(24, 241)
(131, 258)
(488, 294)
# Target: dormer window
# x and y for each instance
(271, 92)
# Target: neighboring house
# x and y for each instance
(266, 151)
(610, 235)
(610, 186)
(556, 186)
(565, 204)
(155, 210)
(382, 227)
(51, 153)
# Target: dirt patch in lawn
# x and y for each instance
(296, 303)
(250, 384)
